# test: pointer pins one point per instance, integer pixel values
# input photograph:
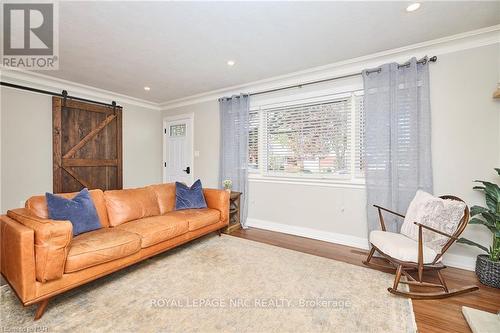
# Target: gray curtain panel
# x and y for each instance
(234, 146)
(397, 138)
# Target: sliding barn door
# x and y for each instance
(87, 146)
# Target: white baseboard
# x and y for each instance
(326, 236)
(451, 260)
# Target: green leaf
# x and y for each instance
(493, 190)
(475, 210)
(491, 218)
(485, 182)
(492, 193)
(469, 242)
(483, 222)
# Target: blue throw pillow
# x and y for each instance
(189, 197)
(80, 211)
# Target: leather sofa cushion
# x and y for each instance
(155, 229)
(196, 218)
(165, 195)
(38, 205)
(131, 204)
(100, 246)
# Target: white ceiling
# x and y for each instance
(180, 48)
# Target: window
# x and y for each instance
(178, 130)
(318, 139)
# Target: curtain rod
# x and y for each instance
(64, 94)
(377, 70)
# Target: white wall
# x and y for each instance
(465, 128)
(26, 146)
(465, 146)
(142, 146)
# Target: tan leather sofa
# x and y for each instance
(40, 258)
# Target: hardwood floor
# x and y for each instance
(444, 315)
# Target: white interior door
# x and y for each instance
(178, 149)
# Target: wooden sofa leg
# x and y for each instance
(219, 232)
(42, 306)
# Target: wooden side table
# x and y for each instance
(234, 213)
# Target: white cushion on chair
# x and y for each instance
(441, 214)
(400, 247)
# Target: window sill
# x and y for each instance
(306, 181)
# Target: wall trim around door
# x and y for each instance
(167, 119)
(450, 259)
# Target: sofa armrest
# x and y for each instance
(218, 199)
(17, 257)
(52, 239)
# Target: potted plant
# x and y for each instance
(488, 265)
(228, 184)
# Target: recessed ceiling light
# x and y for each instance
(231, 62)
(413, 7)
(147, 88)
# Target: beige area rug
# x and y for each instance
(224, 284)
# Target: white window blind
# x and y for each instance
(253, 141)
(322, 139)
(359, 125)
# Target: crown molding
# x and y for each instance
(45, 82)
(440, 46)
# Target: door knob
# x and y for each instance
(187, 170)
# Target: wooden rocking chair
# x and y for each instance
(406, 255)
